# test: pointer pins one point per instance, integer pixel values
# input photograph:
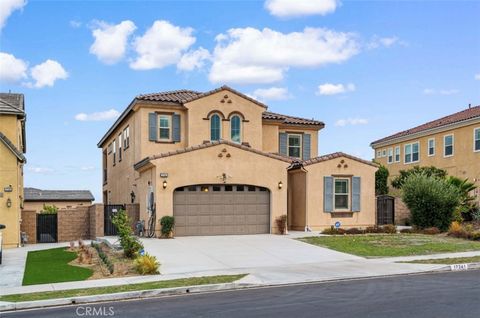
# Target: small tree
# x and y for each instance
(381, 180)
(432, 201)
(168, 223)
(49, 209)
(468, 203)
(431, 171)
(130, 244)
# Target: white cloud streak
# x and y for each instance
(7, 7)
(334, 89)
(110, 114)
(272, 93)
(351, 122)
(12, 69)
(47, 73)
(296, 8)
(431, 91)
(193, 60)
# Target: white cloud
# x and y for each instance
(75, 24)
(7, 7)
(40, 170)
(12, 69)
(161, 45)
(333, 89)
(249, 55)
(295, 8)
(477, 77)
(98, 116)
(272, 93)
(194, 59)
(111, 40)
(386, 42)
(351, 121)
(431, 91)
(87, 168)
(47, 73)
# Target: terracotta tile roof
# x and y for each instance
(12, 148)
(12, 104)
(228, 88)
(33, 194)
(336, 155)
(291, 120)
(177, 96)
(146, 160)
(463, 115)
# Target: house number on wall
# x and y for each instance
(8, 189)
(163, 175)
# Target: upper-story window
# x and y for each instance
(236, 128)
(476, 139)
(215, 127)
(119, 147)
(384, 152)
(412, 152)
(397, 154)
(390, 155)
(114, 151)
(126, 138)
(431, 147)
(294, 145)
(379, 153)
(448, 146)
(164, 126)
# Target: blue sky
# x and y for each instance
(366, 68)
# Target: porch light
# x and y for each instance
(280, 185)
(164, 184)
(9, 203)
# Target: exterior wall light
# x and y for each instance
(9, 203)
(280, 185)
(164, 184)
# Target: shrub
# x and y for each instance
(282, 223)
(354, 231)
(167, 223)
(406, 231)
(456, 230)
(381, 180)
(389, 229)
(334, 231)
(130, 244)
(108, 263)
(49, 209)
(372, 229)
(431, 171)
(146, 264)
(476, 214)
(431, 200)
(475, 236)
(431, 231)
(467, 201)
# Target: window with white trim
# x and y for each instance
(114, 151)
(448, 145)
(384, 152)
(119, 147)
(390, 155)
(397, 154)
(379, 153)
(476, 139)
(165, 127)
(431, 147)
(294, 145)
(126, 138)
(412, 152)
(341, 194)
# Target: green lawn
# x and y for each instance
(447, 261)
(193, 281)
(51, 266)
(386, 245)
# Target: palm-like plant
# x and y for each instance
(467, 200)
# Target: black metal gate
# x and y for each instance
(108, 212)
(385, 210)
(47, 228)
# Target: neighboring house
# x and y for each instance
(451, 143)
(12, 160)
(222, 164)
(35, 199)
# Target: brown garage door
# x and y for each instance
(221, 210)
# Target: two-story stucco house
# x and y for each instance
(12, 160)
(451, 143)
(222, 164)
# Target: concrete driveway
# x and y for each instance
(219, 253)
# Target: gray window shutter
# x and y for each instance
(306, 146)
(282, 140)
(328, 194)
(356, 190)
(176, 127)
(152, 127)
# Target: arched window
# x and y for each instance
(235, 129)
(215, 127)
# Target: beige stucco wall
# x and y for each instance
(297, 199)
(465, 163)
(38, 206)
(317, 219)
(11, 174)
(313, 139)
(243, 167)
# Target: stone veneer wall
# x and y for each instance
(29, 225)
(73, 224)
(96, 221)
(402, 213)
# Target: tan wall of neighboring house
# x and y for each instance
(11, 174)
(317, 219)
(465, 163)
(243, 167)
(38, 206)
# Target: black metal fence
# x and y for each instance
(108, 212)
(385, 210)
(47, 231)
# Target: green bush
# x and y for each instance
(130, 244)
(146, 264)
(431, 200)
(168, 223)
(108, 263)
(381, 180)
(354, 231)
(334, 231)
(49, 209)
(468, 205)
(431, 171)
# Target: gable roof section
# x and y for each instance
(12, 104)
(146, 160)
(336, 155)
(33, 194)
(12, 148)
(228, 88)
(291, 120)
(464, 115)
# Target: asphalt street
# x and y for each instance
(451, 294)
